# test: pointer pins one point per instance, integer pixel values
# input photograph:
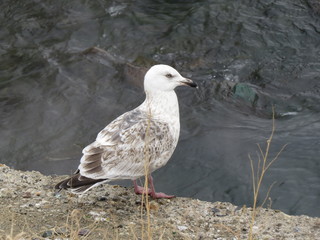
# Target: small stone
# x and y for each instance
(26, 195)
(47, 234)
(255, 229)
(296, 229)
(102, 198)
(42, 204)
(115, 199)
(83, 232)
(93, 213)
(182, 228)
(245, 92)
(215, 210)
(100, 219)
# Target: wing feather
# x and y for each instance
(121, 149)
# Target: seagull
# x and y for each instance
(138, 142)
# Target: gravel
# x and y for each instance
(31, 209)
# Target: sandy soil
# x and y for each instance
(30, 209)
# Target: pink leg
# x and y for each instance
(153, 192)
(138, 189)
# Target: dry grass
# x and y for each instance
(145, 197)
(75, 228)
(11, 235)
(229, 230)
(258, 174)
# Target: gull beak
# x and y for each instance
(189, 83)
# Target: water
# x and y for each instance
(54, 98)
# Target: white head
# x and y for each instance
(164, 78)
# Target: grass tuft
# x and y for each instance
(145, 196)
(258, 174)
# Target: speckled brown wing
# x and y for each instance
(125, 145)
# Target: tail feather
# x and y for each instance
(79, 184)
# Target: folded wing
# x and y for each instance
(122, 149)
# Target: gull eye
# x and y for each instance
(169, 75)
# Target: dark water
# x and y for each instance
(54, 98)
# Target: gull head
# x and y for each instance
(164, 78)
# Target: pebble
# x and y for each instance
(94, 213)
(182, 228)
(246, 92)
(83, 232)
(102, 198)
(115, 199)
(215, 210)
(26, 195)
(41, 204)
(47, 234)
(100, 219)
(255, 229)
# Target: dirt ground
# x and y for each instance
(30, 209)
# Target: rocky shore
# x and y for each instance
(30, 209)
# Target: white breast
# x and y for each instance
(163, 106)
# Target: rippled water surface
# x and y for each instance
(55, 94)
